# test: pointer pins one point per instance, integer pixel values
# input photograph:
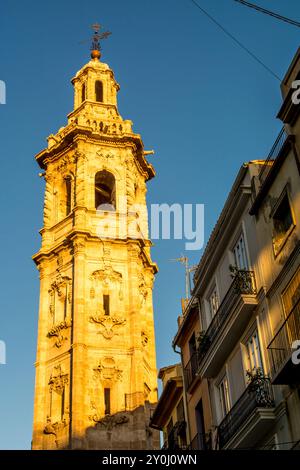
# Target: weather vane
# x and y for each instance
(97, 37)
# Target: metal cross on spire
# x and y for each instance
(97, 37)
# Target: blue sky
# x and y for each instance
(196, 98)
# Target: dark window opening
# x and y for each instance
(282, 222)
(180, 411)
(83, 93)
(200, 426)
(107, 401)
(99, 91)
(105, 191)
(106, 304)
(192, 344)
(68, 195)
(63, 404)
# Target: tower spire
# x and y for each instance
(97, 37)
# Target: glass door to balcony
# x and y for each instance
(200, 426)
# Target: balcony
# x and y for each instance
(228, 323)
(191, 370)
(283, 371)
(251, 417)
(274, 152)
(270, 167)
(201, 442)
(177, 437)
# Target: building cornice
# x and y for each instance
(71, 133)
(286, 148)
(168, 399)
(232, 210)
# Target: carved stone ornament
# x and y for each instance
(59, 284)
(144, 338)
(55, 428)
(58, 380)
(111, 421)
(57, 331)
(108, 277)
(143, 289)
(108, 370)
(108, 324)
(105, 155)
(108, 421)
(64, 163)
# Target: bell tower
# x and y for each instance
(95, 367)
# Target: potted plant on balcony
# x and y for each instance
(203, 342)
(258, 384)
(243, 282)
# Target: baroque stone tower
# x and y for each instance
(95, 368)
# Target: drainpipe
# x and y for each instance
(184, 395)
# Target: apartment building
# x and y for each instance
(237, 333)
(221, 321)
(276, 208)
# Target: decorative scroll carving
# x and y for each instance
(108, 323)
(130, 182)
(57, 386)
(59, 284)
(107, 156)
(108, 421)
(60, 293)
(58, 380)
(57, 331)
(143, 289)
(55, 428)
(145, 285)
(64, 163)
(144, 338)
(80, 178)
(111, 421)
(48, 200)
(107, 277)
(107, 370)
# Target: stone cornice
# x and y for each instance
(69, 138)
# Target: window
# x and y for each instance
(213, 302)
(106, 304)
(223, 391)
(105, 191)
(240, 254)
(291, 294)
(83, 89)
(107, 401)
(282, 222)
(68, 183)
(180, 411)
(201, 441)
(99, 91)
(254, 361)
(192, 344)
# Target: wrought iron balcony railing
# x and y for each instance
(191, 369)
(173, 441)
(258, 394)
(274, 152)
(201, 442)
(243, 283)
(280, 348)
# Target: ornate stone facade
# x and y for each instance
(96, 345)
